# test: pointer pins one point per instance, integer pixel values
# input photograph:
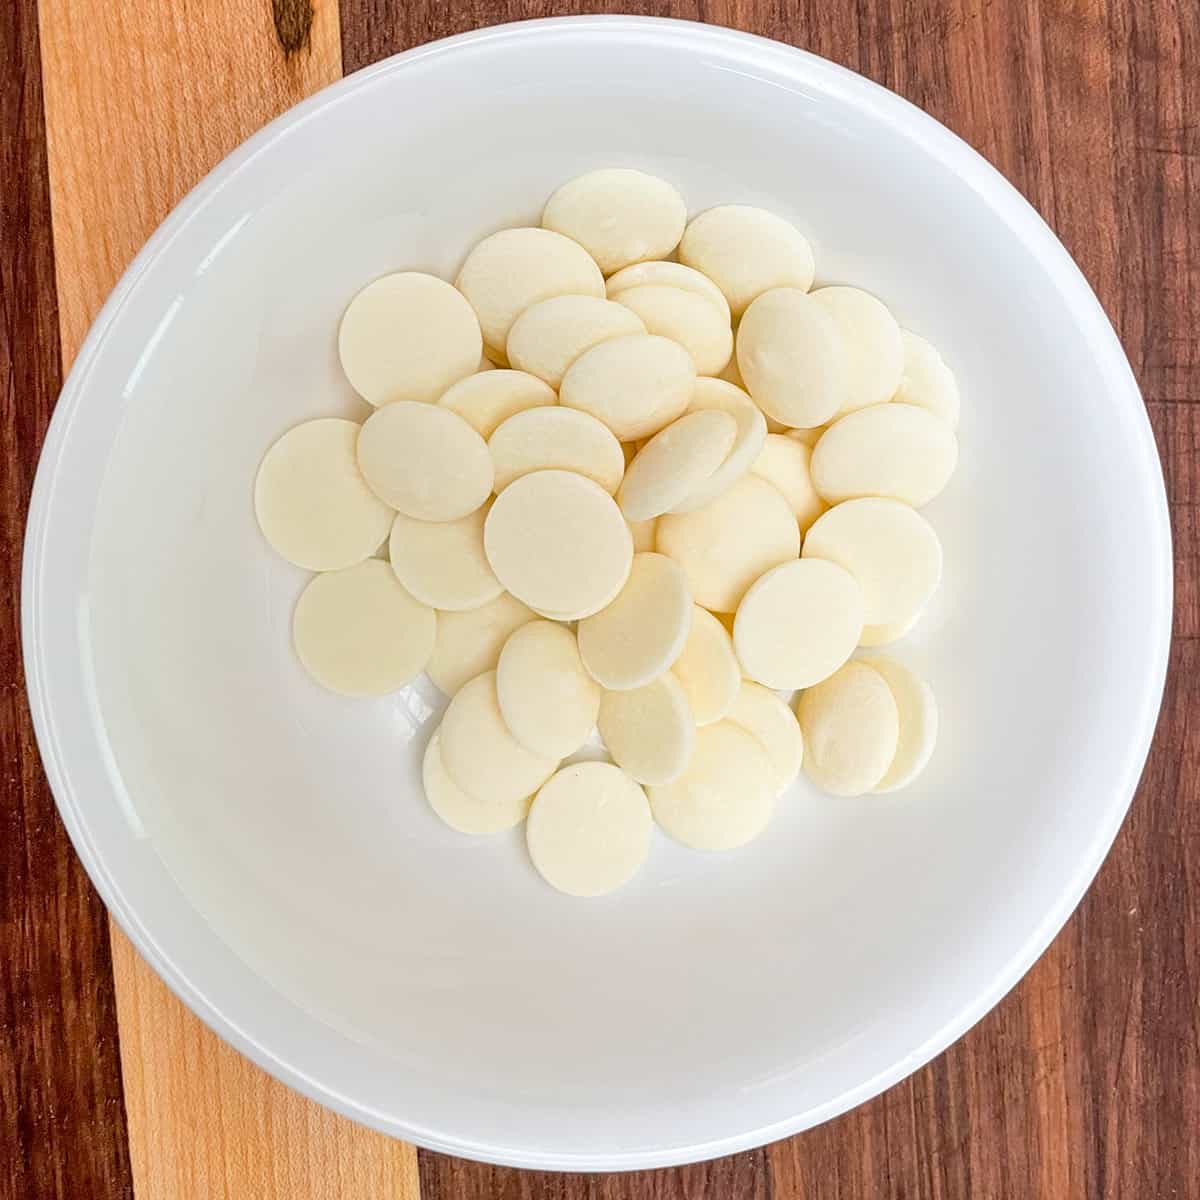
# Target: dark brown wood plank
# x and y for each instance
(1069, 1088)
(1085, 1082)
(1177, 429)
(739, 1177)
(62, 1119)
(373, 29)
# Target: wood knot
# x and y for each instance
(293, 23)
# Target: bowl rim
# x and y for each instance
(1024, 223)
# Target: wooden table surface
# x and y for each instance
(1083, 1083)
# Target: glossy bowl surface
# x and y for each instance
(265, 844)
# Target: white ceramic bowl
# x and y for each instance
(265, 844)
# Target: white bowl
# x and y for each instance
(265, 844)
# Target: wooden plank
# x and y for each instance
(1085, 1082)
(204, 1121)
(142, 100)
(1052, 1093)
(740, 1177)
(62, 1121)
(1177, 429)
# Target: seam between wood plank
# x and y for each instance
(141, 101)
(62, 1117)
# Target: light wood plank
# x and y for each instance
(206, 1122)
(141, 101)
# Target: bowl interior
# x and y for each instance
(267, 843)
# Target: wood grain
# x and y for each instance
(740, 1177)
(1085, 1082)
(62, 1123)
(204, 1121)
(141, 101)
